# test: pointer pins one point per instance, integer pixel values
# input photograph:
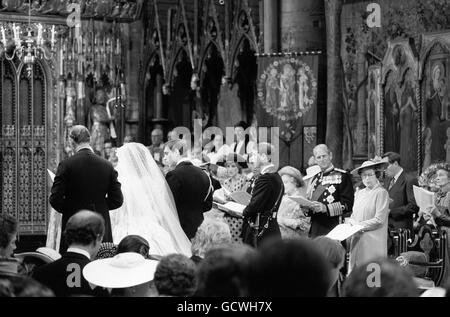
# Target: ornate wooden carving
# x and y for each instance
(30, 138)
(121, 10)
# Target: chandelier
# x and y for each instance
(27, 43)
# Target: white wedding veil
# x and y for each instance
(149, 209)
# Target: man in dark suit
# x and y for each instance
(267, 190)
(84, 233)
(403, 206)
(157, 147)
(332, 193)
(85, 182)
(191, 187)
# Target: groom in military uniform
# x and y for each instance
(332, 194)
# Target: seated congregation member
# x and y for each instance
(267, 190)
(9, 266)
(415, 263)
(222, 272)
(23, 286)
(234, 182)
(83, 234)
(334, 252)
(288, 268)
(175, 275)
(212, 233)
(393, 280)
(126, 275)
(332, 192)
(441, 211)
(370, 210)
(31, 261)
(291, 217)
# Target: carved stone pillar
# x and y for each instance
(301, 25)
(271, 26)
(159, 97)
(334, 135)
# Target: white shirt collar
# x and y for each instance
(184, 159)
(398, 174)
(83, 147)
(79, 251)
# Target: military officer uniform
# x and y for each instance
(267, 190)
(334, 189)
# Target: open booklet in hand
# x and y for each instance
(424, 198)
(302, 201)
(344, 231)
(232, 208)
(241, 197)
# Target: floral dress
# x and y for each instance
(233, 185)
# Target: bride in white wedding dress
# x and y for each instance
(149, 208)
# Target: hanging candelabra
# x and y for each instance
(27, 44)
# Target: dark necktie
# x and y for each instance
(392, 183)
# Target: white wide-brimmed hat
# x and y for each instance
(312, 171)
(46, 255)
(377, 164)
(122, 271)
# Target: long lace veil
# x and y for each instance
(149, 209)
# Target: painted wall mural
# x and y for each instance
(413, 97)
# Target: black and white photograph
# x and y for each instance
(216, 152)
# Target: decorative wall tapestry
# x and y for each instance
(373, 111)
(287, 86)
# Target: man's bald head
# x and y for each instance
(84, 228)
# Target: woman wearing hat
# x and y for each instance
(126, 274)
(441, 209)
(234, 182)
(370, 210)
(291, 218)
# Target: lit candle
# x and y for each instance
(4, 36)
(61, 61)
(40, 39)
(16, 34)
(53, 38)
